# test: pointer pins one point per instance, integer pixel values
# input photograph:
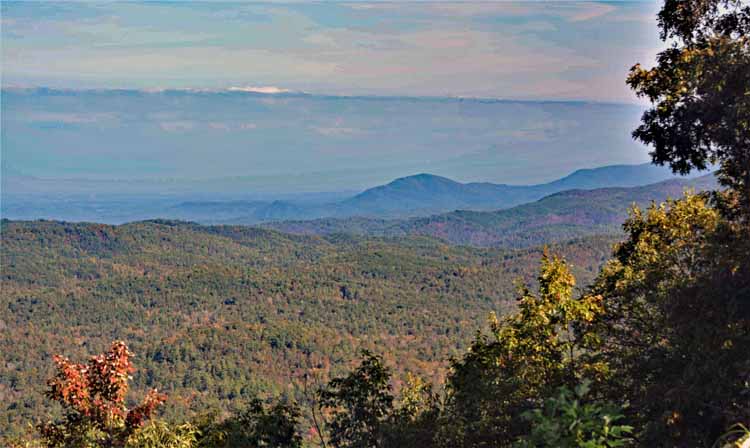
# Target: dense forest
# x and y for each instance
(252, 338)
(219, 314)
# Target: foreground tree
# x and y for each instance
(527, 356)
(700, 89)
(415, 420)
(93, 399)
(260, 424)
(737, 437)
(675, 331)
(360, 404)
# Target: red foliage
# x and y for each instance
(139, 414)
(94, 394)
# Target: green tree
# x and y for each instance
(523, 360)
(259, 425)
(570, 420)
(675, 332)
(360, 404)
(700, 91)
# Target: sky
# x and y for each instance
(514, 50)
(323, 96)
(301, 142)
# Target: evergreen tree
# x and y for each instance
(360, 404)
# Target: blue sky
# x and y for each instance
(518, 50)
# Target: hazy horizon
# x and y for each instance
(289, 98)
(286, 143)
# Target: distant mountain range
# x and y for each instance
(414, 196)
(429, 192)
(418, 195)
(557, 217)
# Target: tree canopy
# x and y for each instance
(700, 91)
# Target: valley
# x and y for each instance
(217, 314)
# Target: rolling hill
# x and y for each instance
(218, 314)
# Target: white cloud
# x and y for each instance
(260, 89)
(436, 49)
(570, 11)
(589, 11)
(467, 9)
(336, 131)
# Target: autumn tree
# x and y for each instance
(93, 397)
(526, 356)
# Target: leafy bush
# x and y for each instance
(271, 425)
(159, 434)
(569, 421)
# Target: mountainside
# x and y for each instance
(418, 192)
(612, 176)
(426, 194)
(422, 193)
(406, 197)
(560, 216)
(217, 314)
